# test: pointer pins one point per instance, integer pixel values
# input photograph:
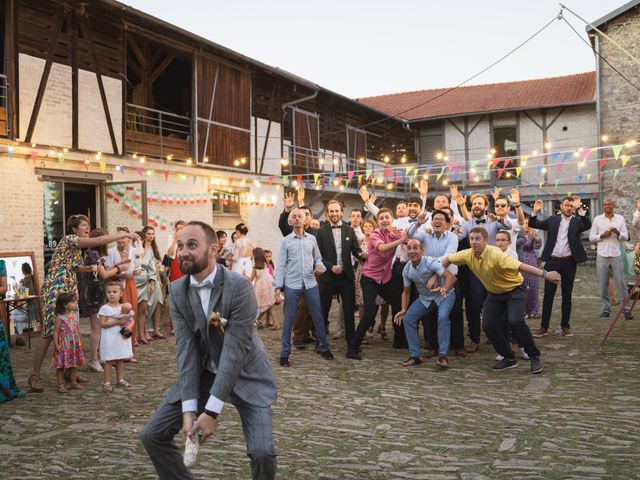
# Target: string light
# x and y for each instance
(169, 157)
(341, 187)
(189, 161)
(142, 159)
(386, 159)
(492, 151)
(361, 160)
(445, 182)
(65, 150)
(236, 163)
(544, 170)
(390, 186)
(284, 162)
(534, 153)
(439, 155)
(446, 158)
(205, 160)
(335, 161)
(404, 159)
(380, 180)
(335, 182)
(243, 161)
(33, 145)
(489, 156)
(321, 161)
(134, 156)
(605, 138)
(547, 145)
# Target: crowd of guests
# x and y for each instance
(475, 257)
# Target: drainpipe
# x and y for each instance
(300, 100)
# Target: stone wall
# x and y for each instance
(620, 107)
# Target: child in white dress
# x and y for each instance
(117, 323)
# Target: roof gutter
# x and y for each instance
(300, 100)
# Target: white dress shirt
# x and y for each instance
(337, 240)
(214, 404)
(610, 246)
(561, 248)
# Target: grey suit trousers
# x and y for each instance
(166, 422)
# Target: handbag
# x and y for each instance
(95, 291)
(166, 261)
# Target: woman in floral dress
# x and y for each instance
(62, 276)
(527, 244)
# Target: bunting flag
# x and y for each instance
(60, 159)
(34, 156)
(616, 150)
(566, 156)
(139, 171)
(489, 163)
(350, 175)
(554, 157)
(556, 182)
(559, 166)
(332, 175)
(439, 176)
(616, 172)
(102, 166)
(299, 178)
(523, 159)
(474, 163)
(589, 177)
(602, 163)
(369, 172)
(388, 172)
(625, 160)
(270, 180)
(407, 170)
(518, 171)
(585, 153)
(359, 179)
(285, 180)
(315, 178)
(166, 175)
(193, 179)
(495, 162)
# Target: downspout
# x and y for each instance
(596, 40)
(300, 100)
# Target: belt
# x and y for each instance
(563, 258)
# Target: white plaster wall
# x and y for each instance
(93, 132)
(273, 155)
(54, 119)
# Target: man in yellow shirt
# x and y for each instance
(504, 307)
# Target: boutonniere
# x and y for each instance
(217, 321)
(347, 239)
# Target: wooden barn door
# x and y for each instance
(306, 136)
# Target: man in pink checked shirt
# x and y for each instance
(376, 276)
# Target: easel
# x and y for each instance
(635, 292)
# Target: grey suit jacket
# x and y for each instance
(238, 355)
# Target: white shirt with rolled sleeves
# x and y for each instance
(609, 246)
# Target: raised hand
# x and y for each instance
(300, 196)
(423, 187)
(453, 189)
(537, 207)
(461, 200)
(422, 217)
(364, 194)
(577, 203)
(373, 198)
(289, 201)
(514, 196)
(496, 193)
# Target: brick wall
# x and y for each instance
(620, 106)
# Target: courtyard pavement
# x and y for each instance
(579, 419)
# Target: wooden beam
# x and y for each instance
(137, 51)
(74, 79)
(94, 57)
(160, 68)
(53, 43)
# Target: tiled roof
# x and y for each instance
(495, 97)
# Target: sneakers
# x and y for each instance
(523, 354)
(566, 332)
(299, 344)
(504, 364)
(284, 362)
(536, 365)
(352, 355)
(541, 332)
(327, 355)
(604, 314)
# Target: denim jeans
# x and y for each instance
(312, 301)
(417, 311)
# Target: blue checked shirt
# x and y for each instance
(491, 227)
(299, 257)
(420, 275)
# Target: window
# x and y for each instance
(430, 143)
(505, 143)
(225, 203)
(356, 148)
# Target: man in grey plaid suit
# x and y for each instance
(216, 362)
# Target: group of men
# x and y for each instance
(426, 264)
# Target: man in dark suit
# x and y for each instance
(218, 361)
(562, 252)
(337, 241)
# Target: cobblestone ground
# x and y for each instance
(373, 419)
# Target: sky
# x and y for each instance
(361, 48)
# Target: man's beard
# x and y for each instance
(477, 213)
(197, 266)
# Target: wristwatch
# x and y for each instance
(213, 415)
(543, 274)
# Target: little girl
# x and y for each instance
(114, 346)
(268, 257)
(263, 287)
(66, 339)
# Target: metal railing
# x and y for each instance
(173, 131)
(3, 91)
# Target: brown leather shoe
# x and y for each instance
(541, 332)
(461, 352)
(35, 384)
(566, 332)
(473, 347)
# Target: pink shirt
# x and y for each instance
(378, 264)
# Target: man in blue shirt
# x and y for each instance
(299, 262)
(418, 270)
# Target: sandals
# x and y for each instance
(159, 336)
(412, 362)
(107, 388)
(383, 333)
(62, 388)
(35, 384)
(76, 386)
(443, 362)
(79, 378)
(142, 341)
(122, 383)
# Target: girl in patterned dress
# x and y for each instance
(264, 290)
(527, 244)
(68, 352)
